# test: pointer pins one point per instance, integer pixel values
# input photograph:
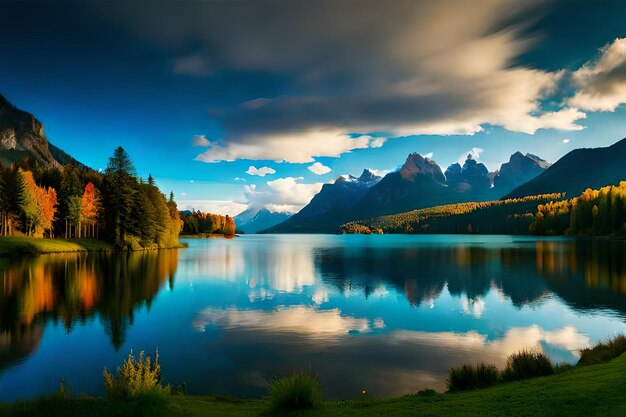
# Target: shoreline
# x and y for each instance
(565, 393)
(34, 246)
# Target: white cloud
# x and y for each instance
(319, 168)
(223, 207)
(297, 147)
(566, 141)
(320, 325)
(240, 179)
(261, 172)
(474, 152)
(602, 82)
(429, 155)
(200, 140)
(282, 195)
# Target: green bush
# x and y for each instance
(137, 377)
(294, 392)
(562, 367)
(469, 377)
(603, 351)
(526, 364)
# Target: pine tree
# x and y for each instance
(11, 198)
(120, 189)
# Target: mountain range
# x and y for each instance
(22, 135)
(419, 183)
(254, 220)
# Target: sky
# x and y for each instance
(236, 104)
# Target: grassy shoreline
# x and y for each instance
(581, 391)
(31, 246)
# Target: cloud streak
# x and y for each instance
(261, 172)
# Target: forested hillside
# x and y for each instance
(594, 213)
(512, 216)
(77, 202)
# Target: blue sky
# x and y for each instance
(347, 85)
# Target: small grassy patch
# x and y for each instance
(526, 364)
(137, 377)
(603, 351)
(294, 392)
(468, 377)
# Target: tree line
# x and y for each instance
(197, 223)
(511, 216)
(77, 202)
(594, 213)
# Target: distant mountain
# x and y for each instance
(519, 170)
(419, 183)
(255, 220)
(578, 170)
(330, 207)
(472, 177)
(22, 135)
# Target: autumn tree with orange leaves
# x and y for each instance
(39, 207)
(89, 209)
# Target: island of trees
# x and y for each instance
(77, 202)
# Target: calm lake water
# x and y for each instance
(388, 314)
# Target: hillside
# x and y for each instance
(578, 170)
(512, 216)
(22, 135)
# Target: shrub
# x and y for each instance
(526, 364)
(295, 391)
(562, 367)
(135, 378)
(603, 351)
(426, 393)
(469, 377)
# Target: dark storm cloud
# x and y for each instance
(403, 67)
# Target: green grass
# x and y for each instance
(469, 377)
(10, 246)
(603, 351)
(526, 364)
(294, 392)
(596, 390)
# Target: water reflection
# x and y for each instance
(73, 288)
(387, 313)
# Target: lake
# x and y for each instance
(388, 314)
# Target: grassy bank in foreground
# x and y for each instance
(595, 390)
(16, 246)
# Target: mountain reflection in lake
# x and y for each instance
(389, 314)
